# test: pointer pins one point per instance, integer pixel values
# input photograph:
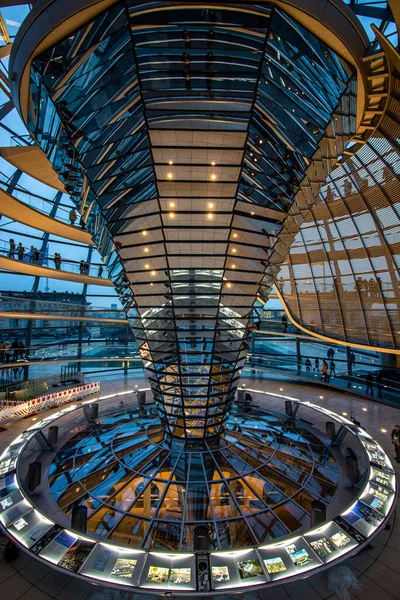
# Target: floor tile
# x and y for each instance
(14, 587)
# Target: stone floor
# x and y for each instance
(377, 568)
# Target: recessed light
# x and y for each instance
(213, 164)
(210, 216)
(153, 272)
(344, 414)
(260, 142)
(252, 213)
(172, 215)
(169, 175)
(172, 204)
(147, 266)
(228, 285)
(384, 430)
(146, 250)
(281, 389)
(321, 397)
(233, 267)
(144, 232)
(365, 409)
(213, 177)
(211, 205)
(234, 250)
(255, 160)
(235, 235)
(170, 162)
(151, 283)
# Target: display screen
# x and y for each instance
(123, 568)
(275, 565)
(220, 574)
(158, 575)
(249, 568)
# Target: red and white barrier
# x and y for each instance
(12, 409)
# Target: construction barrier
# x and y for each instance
(11, 409)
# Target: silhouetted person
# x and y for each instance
(15, 347)
(186, 38)
(21, 251)
(210, 38)
(395, 435)
(12, 250)
(209, 71)
(284, 323)
(100, 272)
(369, 381)
(308, 365)
(72, 216)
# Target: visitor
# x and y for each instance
(82, 267)
(58, 261)
(2, 346)
(186, 38)
(82, 223)
(330, 354)
(36, 256)
(379, 383)
(72, 216)
(15, 347)
(21, 251)
(22, 350)
(351, 361)
(324, 372)
(210, 38)
(209, 71)
(284, 323)
(100, 272)
(308, 365)
(7, 351)
(332, 369)
(86, 268)
(12, 250)
(188, 81)
(369, 382)
(316, 365)
(31, 254)
(395, 435)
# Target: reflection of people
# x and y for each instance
(308, 365)
(396, 441)
(379, 382)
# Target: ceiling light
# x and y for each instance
(210, 216)
(235, 235)
(170, 162)
(281, 389)
(172, 204)
(384, 430)
(234, 250)
(233, 266)
(365, 409)
(252, 213)
(172, 215)
(228, 285)
(144, 232)
(169, 175)
(151, 283)
(211, 205)
(213, 164)
(255, 160)
(146, 250)
(260, 142)
(147, 266)
(321, 397)
(153, 272)
(213, 177)
(344, 414)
